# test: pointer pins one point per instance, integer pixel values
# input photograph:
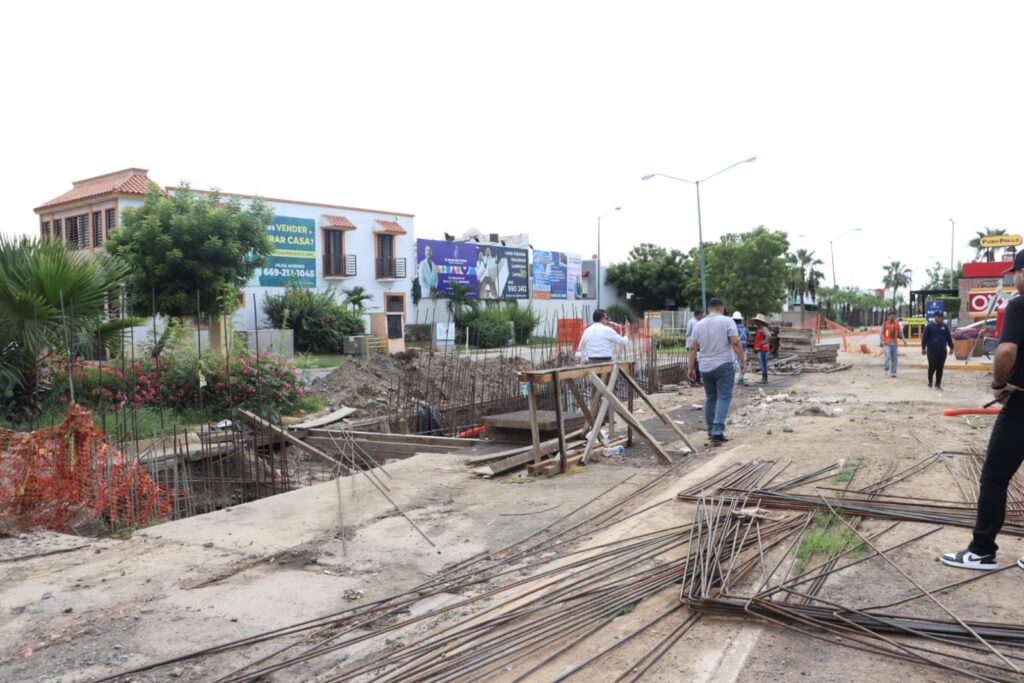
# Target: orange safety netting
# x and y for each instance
(68, 474)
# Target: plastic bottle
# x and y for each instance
(615, 450)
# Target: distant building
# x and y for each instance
(317, 245)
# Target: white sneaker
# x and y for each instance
(965, 559)
(1020, 562)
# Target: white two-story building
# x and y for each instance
(316, 245)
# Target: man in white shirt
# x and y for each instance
(715, 342)
(597, 345)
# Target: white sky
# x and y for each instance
(538, 116)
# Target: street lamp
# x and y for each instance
(700, 227)
(598, 278)
(952, 248)
(832, 251)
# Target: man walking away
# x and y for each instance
(1006, 445)
(934, 341)
(744, 334)
(889, 339)
(597, 345)
(715, 342)
(698, 315)
(762, 345)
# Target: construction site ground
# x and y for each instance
(110, 605)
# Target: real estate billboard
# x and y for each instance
(557, 275)
(294, 258)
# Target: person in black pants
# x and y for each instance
(1006, 445)
(934, 341)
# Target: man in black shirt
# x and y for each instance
(934, 341)
(1006, 445)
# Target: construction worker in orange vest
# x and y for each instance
(890, 337)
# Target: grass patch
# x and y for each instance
(313, 361)
(850, 467)
(541, 341)
(827, 536)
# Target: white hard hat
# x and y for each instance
(737, 316)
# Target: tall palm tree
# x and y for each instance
(49, 298)
(804, 278)
(896, 277)
(989, 253)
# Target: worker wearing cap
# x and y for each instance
(934, 341)
(1006, 444)
(744, 334)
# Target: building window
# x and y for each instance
(57, 230)
(97, 228)
(111, 217)
(71, 230)
(83, 231)
(45, 228)
(388, 267)
(336, 264)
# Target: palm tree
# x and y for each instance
(356, 298)
(988, 252)
(896, 277)
(804, 278)
(50, 297)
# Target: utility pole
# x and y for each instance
(952, 248)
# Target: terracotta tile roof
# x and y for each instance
(128, 181)
(339, 222)
(391, 227)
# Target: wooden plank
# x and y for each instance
(588, 416)
(446, 441)
(301, 445)
(329, 445)
(617, 406)
(548, 446)
(602, 410)
(669, 422)
(629, 404)
(557, 386)
(534, 428)
(571, 372)
(547, 420)
(330, 418)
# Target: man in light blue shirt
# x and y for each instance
(714, 344)
(698, 315)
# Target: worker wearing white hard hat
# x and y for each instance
(744, 334)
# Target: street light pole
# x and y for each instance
(700, 227)
(597, 279)
(952, 248)
(832, 252)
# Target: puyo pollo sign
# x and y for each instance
(979, 301)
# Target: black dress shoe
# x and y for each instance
(720, 439)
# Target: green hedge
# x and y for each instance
(319, 322)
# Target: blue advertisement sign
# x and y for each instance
(293, 260)
(489, 271)
(556, 275)
(933, 307)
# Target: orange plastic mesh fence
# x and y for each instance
(57, 477)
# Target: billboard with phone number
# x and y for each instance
(557, 275)
(293, 260)
(489, 271)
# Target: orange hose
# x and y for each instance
(953, 412)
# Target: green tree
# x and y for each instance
(939, 276)
(50, 298)
(746, 270)
(187, 243)
(804, 277)
(988, 252)
(896, 277)
(653, 275)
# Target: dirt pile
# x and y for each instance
(381, 385)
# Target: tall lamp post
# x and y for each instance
(952, 248)
(700, 227)
(598, 278)
(832, 252)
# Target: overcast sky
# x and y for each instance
(536, 117)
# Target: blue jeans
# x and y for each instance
(718, 385)
(891, 357)
(762, 358)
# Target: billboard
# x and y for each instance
(557, 275)
(489, 271)
(293, 260)
(979, 301)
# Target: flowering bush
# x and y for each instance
(186, 381)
